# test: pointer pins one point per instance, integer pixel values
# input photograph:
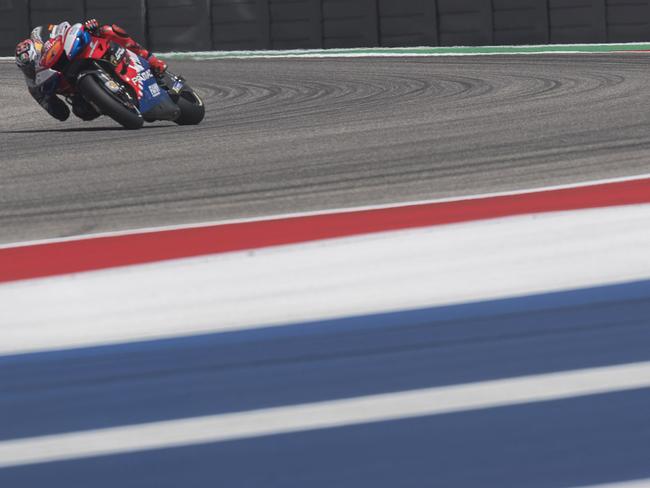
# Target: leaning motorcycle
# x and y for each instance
(118, 83)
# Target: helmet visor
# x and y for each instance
(23, 58)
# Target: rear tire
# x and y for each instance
(95, 93)
(192, 108)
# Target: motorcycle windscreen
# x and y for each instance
(76, 38)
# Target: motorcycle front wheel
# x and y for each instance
(94, 91)
(192, 108)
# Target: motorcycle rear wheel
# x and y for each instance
(94, 92)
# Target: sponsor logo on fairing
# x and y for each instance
(142, 76)
(154, 89)
(134, 75)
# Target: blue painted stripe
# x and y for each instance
(574, 442)
(158, 380)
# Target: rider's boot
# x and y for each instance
(82, 109)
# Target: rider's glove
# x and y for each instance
(157, 65)
(91, 26)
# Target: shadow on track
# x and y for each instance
(79, 129)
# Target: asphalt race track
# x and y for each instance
(284, 136)
(293, 135)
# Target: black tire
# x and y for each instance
(94, 92)
(192, 108)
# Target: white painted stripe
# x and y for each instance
(405, 51)
(331, 211)
(384, 272)
(300, 51)
(207, 56)
(214, 55)
(624, 484)
(393, 52)
(321, 415)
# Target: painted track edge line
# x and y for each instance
(208, 57)
(577, 48)
(331, 211)
(64, 258)
(403, 51)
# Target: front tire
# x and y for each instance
(94, 92)
(192, 108)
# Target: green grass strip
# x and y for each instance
(417, 51)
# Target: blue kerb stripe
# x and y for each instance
(627, 292)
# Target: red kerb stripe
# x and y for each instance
(51, 259)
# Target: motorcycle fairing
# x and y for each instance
(52, 52)
(76, 39)
(140, 77)
(133, 70)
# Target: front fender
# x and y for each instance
(111, 85)
(102, 76)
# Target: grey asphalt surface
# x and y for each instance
(297, 135)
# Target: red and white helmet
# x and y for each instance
(26, 54)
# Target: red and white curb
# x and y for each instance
(39, 260)
(208, 279)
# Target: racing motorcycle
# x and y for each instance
(117, 82)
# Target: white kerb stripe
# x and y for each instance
(337, 413)
(624, 484)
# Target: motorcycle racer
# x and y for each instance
(45, 85)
